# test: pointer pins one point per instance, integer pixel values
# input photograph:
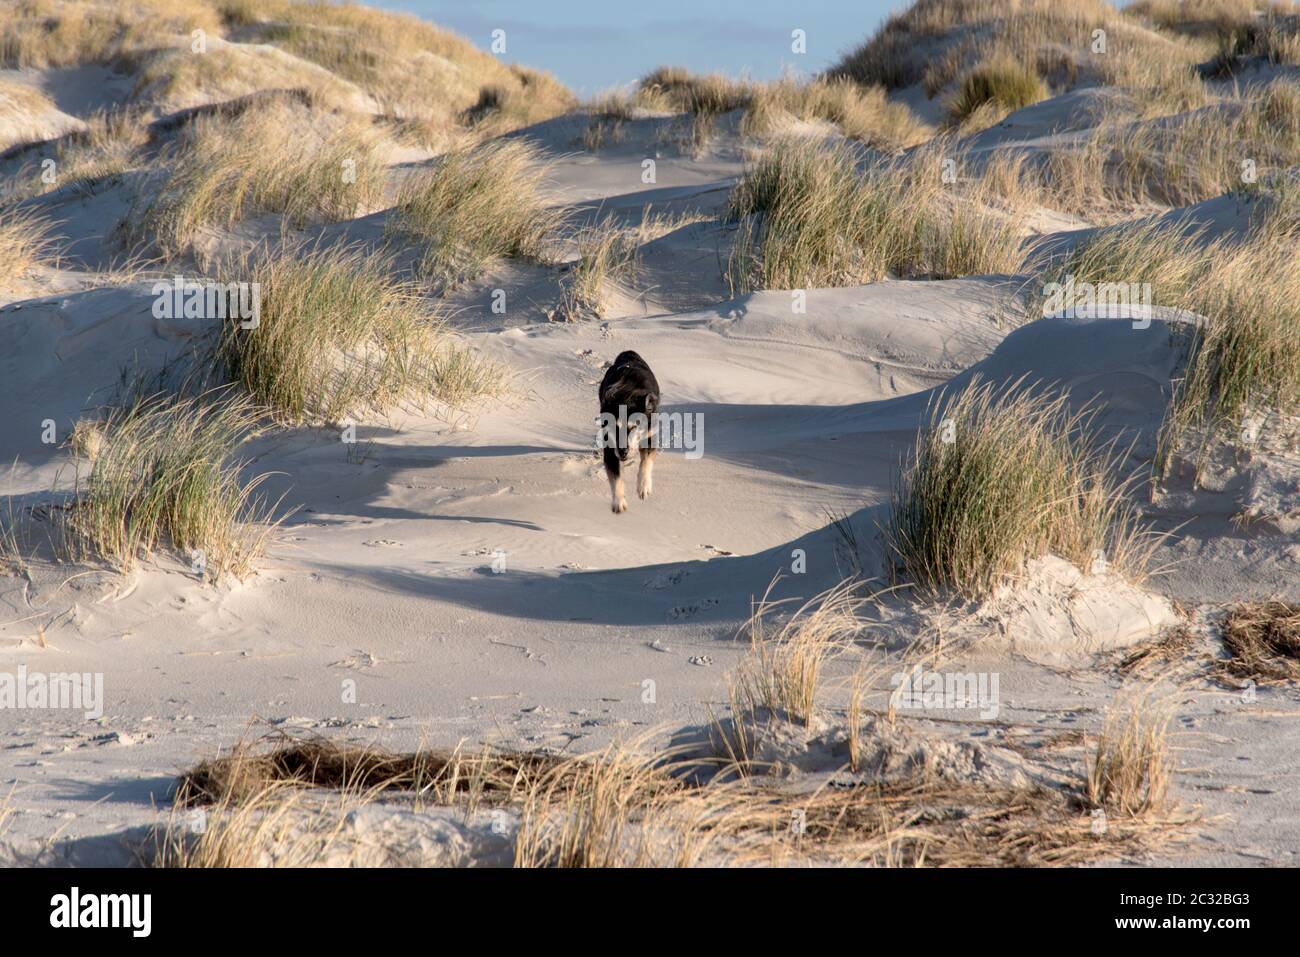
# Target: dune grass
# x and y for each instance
(676, 88)
(607, 252)
(859, 112)
(1123, 164)
(176, 78)
(812, 214)
(1244, 353)
(938, 42)
(410, 67)
(1000, 476)
(20, 105)
(1243, 349)
(25, 241)
(40, 34)
(608, 115)
(864, 114)
(1130, 768)
(269, 158)
(111, 144)
(1173, 261)
(157, 473)
(338, 335)
(783, 672)
(1007, 84)
(472, 206)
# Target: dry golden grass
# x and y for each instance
(1130, 768)
(813, 214)
(1000, 476)
(25, 241)
(860, 113)
(782, 674)
(1002, 84)
(7, 812)
(607, 252)
(472, 206)
(626, 806)
(157, 473)
(53, 33)
(676, 88)
(1244, 352)
(20, 107)
(270, 158)
(410, 67)
(439, 776)
(1123, 164)
(111, 144)
(1198, 17)
(338, 335)
(937, 41)
(1263, 642)
(172, 79)
(1174, 262)
(1157, 656)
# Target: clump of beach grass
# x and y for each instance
(1124, 164)
(337, 334)
(1004, 82)
(811, 214)
(25, 241)
(678, 89)
(607, 252)
(788, 649)
(1172, 260)
(607, 115)
(160, 475)
(1130, 768)
(861, 113)
(1000, 476)
(473, 205)
(1243, 351)
(267, 159)
(40, 34)
(937, 42)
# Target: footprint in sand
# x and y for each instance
(665, 579)
(682, 612)
(722, 552)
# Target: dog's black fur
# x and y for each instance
(629, 384)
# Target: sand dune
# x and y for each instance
(458, 567)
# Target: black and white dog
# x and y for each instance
(629, 396)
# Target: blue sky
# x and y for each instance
(592, 45)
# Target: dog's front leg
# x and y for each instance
(645, 479)
(614, 472)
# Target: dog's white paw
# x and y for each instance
(619, 506)
(644, 486)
